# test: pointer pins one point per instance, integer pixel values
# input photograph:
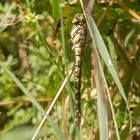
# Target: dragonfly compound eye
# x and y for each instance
(78, 18)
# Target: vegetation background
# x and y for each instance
(36, 55)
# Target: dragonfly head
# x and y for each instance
(78, 18)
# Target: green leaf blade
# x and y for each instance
(56, 9)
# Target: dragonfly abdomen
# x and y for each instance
(77, 84)
(78, 39)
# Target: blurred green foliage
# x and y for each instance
(33, 50)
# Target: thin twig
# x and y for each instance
(52, 104)
(9, 103)
(130, 11)
(12, 23)
(64, 119)
(21, 9)
(105, 13)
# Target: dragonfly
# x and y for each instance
(78, 39)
